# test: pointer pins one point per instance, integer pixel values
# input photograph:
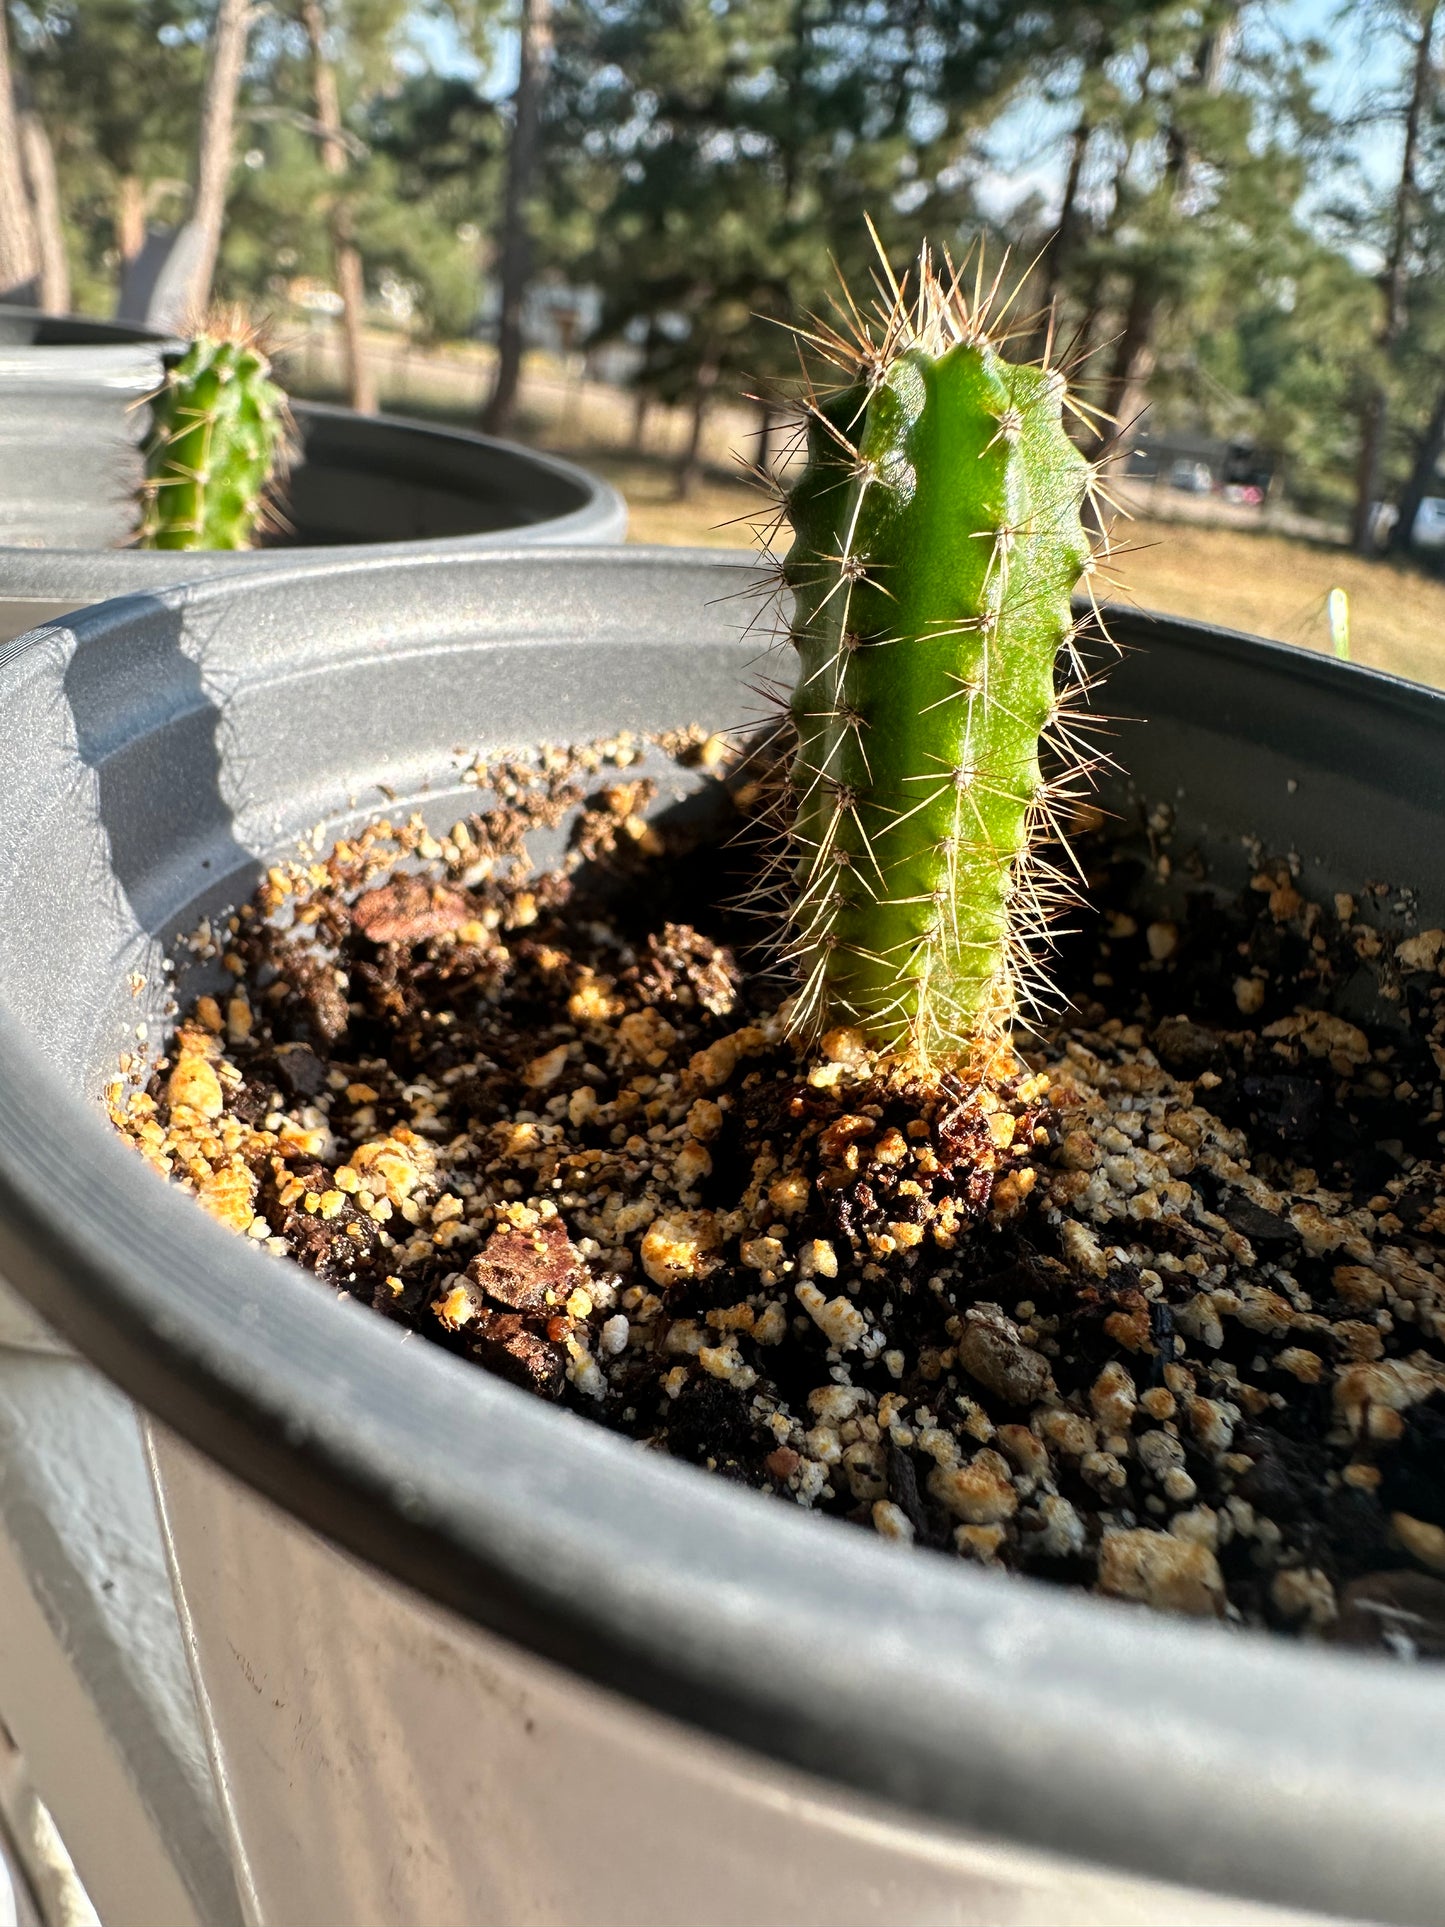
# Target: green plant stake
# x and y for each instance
(217, 446)
(937, 542)
(1337, 607)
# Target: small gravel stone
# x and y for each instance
(1000, 1362)
(1171, 1574)
(839, 1319)
(1063, 1535)
(892, 1522)
(979, 1493)
(1422, 1539)
(1113, 1399)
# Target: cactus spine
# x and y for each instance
(937, 542)
(217, 446)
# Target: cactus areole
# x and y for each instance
(937, 543)
(217, 444)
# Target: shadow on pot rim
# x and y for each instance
(1186, 1752)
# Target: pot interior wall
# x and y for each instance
(361, 480)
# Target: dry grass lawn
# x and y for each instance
(1269, 585)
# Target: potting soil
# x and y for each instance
(1153, 1305)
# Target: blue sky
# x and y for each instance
(433, 42)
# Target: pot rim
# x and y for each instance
(1185, 1752)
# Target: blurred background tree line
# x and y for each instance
(1179, 185)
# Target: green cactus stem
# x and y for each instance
(217, 446)
(937, 542)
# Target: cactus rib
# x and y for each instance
(937, 542)
(217, 446)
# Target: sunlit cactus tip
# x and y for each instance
(217, 447)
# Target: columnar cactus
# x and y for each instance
(217, 445)
(937, 542)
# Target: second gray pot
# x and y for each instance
(71, 417)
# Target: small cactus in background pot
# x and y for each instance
(937, 543)
(218, 444)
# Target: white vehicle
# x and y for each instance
(1429, 529)
(1191, 478)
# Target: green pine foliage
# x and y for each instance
(707, 166)
(1212, 170)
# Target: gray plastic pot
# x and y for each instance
(462, 1657)
(69, 428)
(70, 422)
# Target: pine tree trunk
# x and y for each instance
(690, 466)
(1066, 234)
(214, 145)
(1422, 477)
(1126, 391)
(763, 452)
(1079, 345)
(350, 278)
(516, 249)
(39, 159)
(1375, 415)
(641, 404)
(1133, 361)
(351, 286)
(19, 255)
(1373, 421)
(130, 218)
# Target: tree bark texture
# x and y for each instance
(19, 252)
(1066, 234)
(1422, 477)
(641, 404)
(1374, 418)
(39, 159)
(516, 249)
(215, 143)
(130, 217)
(690, 465)
(346, 257)
(1132, 364)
